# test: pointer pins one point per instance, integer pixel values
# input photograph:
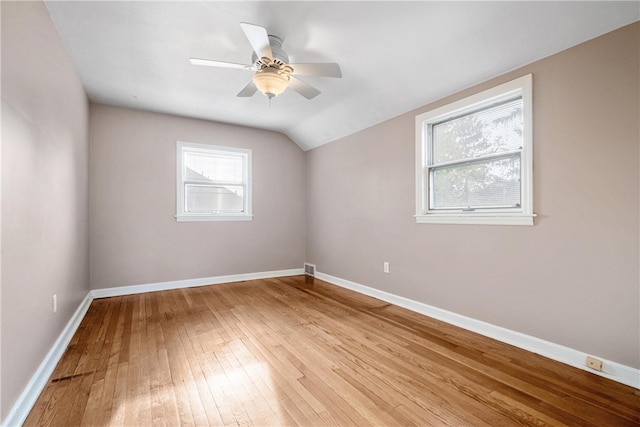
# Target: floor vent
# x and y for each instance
(309, 269)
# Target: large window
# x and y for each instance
(213, 183)
(473, 159)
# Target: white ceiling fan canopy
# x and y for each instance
(277, 52)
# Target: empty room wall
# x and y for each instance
(135, 238)
(45, 235)
(571, 279)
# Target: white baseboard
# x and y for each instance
(612, 370)
(190, 283)
(34, 387)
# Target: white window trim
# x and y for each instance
(181, 215)
(520, 216)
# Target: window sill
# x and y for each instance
(195, 218)
(477, 218)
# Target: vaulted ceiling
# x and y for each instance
(395, 56)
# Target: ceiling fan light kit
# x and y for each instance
(270, 82)
(273, 73)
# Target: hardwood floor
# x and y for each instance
(298, 351)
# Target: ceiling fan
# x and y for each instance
(273, 73)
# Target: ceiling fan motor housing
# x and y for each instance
(276, 50)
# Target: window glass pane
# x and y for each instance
(493, 130)
(203, 167)
(214, 198)
(488, 184)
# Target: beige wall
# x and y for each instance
(571, 279)
(44, 192)
(135, 238)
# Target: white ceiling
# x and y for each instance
(395, 56)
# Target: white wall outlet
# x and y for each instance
(594, 363)
(385, 267)
(54, 303)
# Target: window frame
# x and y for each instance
(522, 215)
(244, 153)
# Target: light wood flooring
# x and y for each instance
(299, 351)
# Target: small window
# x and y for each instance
(474, 162)
(213, 183)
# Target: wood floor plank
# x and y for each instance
(206, 411)
(47, 405)
(299, 351)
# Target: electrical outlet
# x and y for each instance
(385, 267)
(594, 363)
(54, 303)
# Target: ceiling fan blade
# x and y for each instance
(325, 70)
(211, 63)
(303, 88)
(258, 38)
(248, 91)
